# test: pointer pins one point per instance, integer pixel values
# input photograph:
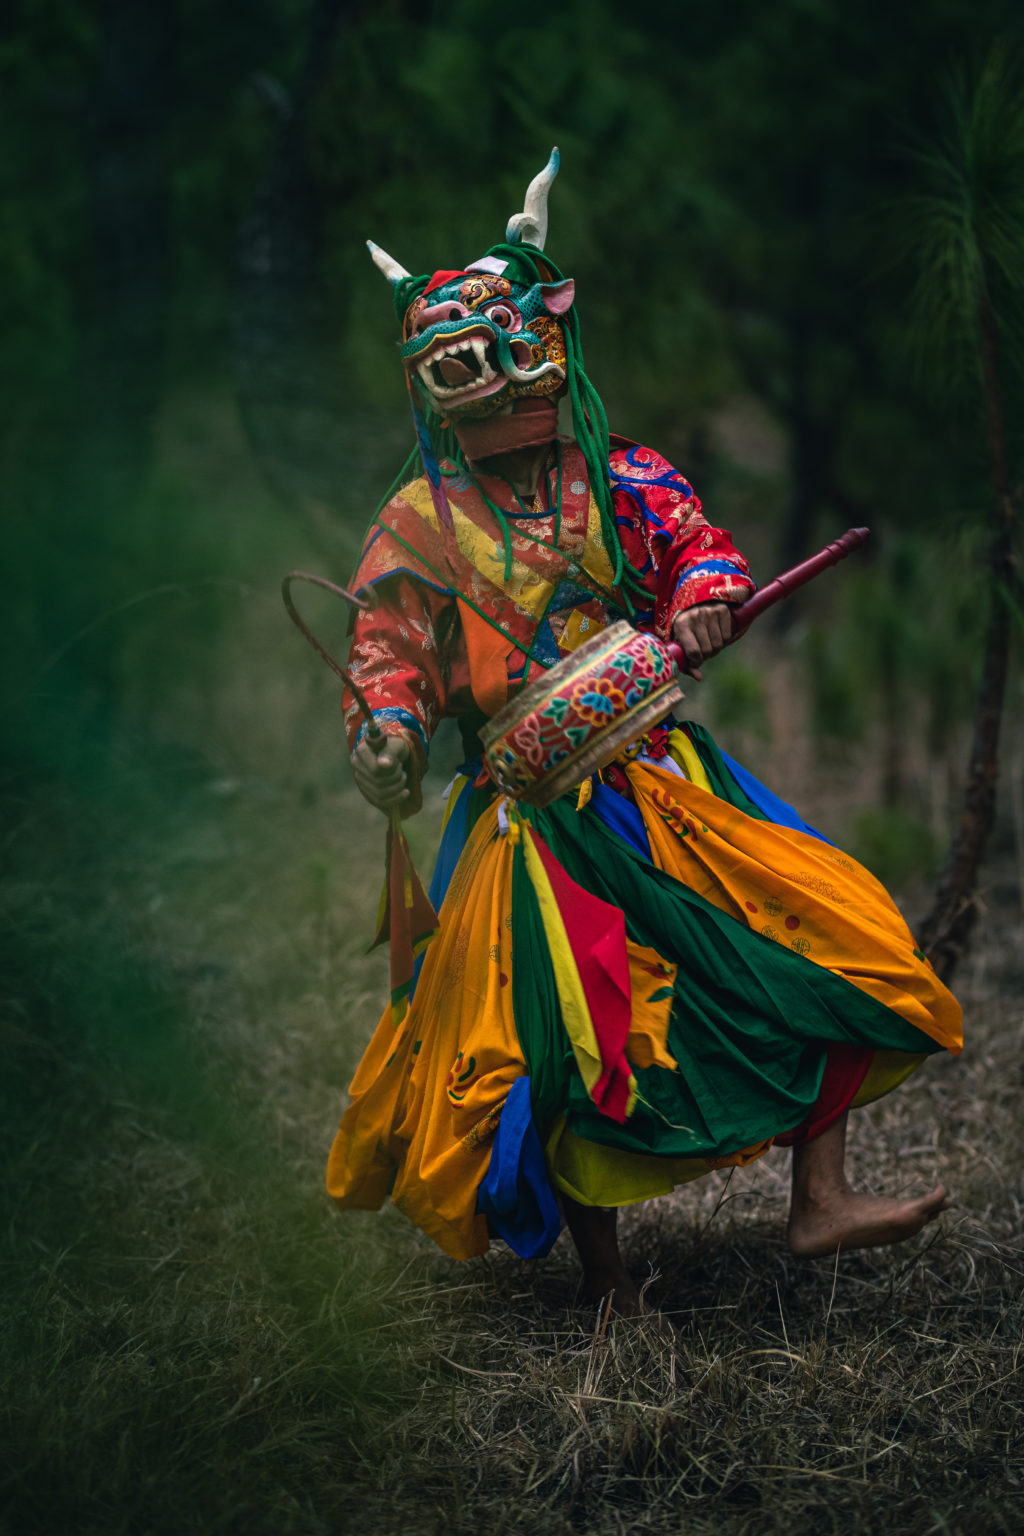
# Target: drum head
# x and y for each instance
(581, 714)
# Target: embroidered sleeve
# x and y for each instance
(396, 662)
(665, 535)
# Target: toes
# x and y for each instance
(933, 1211)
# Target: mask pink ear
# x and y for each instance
(558, 296)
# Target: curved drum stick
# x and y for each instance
(374, 735)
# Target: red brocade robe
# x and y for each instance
(428, 652)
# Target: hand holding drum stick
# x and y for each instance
(378, 763)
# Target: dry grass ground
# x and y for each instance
(195, 1342)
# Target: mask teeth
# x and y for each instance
(531, 375)
(478, 346)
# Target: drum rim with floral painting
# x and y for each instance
(581, 714)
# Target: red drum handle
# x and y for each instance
(786, 584)
(789, 581)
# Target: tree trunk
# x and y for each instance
(945, 932)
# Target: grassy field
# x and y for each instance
(196, 1342)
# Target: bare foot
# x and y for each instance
(847, 1220)
(624, 1301)
(594, 1230)
(599, 1284)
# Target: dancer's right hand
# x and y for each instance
(382, 779)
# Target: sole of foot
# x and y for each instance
(862, 1221)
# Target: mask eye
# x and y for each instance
(501, 316)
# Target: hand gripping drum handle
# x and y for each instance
(786, 584)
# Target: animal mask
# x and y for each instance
(478, 339)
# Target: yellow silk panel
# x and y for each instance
(652, 980)
(425, 1098)
(484, 551)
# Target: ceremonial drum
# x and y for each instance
(580, 715)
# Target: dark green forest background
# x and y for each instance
(198, 381)
(797, 233)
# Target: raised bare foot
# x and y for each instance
(848, 1220)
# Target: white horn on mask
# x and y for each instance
(532, 224)
(388, 265)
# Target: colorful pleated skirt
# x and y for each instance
(662, 975)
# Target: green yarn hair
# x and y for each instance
(526, 264)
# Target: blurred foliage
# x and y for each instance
(895, 844)
(716, 194)
(199, 388)
(739, 695)
(962, 232)
(901, 642)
